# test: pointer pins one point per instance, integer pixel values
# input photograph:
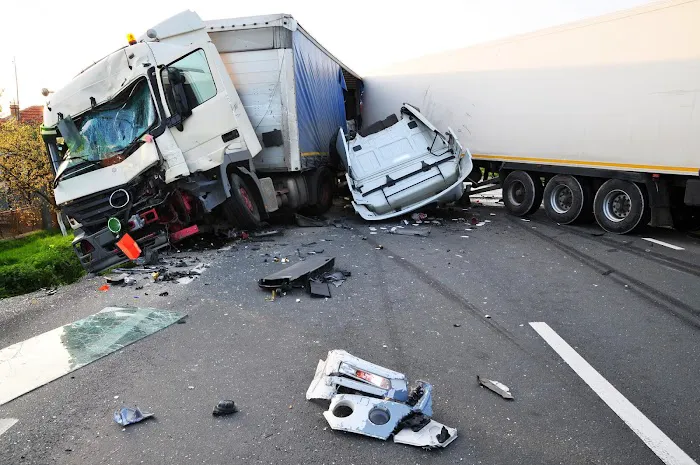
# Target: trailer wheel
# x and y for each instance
(522, 193)
(241, 209)
(567, 199)
(324, 183)
(619, 206)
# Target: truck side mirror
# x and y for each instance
(177, 98)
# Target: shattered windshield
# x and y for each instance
(104, 132)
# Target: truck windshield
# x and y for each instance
(103, 133)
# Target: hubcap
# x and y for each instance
(561, 199)
(617, 205)
(516, 195)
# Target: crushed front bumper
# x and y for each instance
(99, 251)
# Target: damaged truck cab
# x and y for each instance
(155, 142)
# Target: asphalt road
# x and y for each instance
(629, 307)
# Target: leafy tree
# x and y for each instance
(24, 167)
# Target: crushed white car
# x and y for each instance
(396, 166)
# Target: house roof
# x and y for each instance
(30, 115)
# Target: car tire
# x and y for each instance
(522, 193)
(619, 206)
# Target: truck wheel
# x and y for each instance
(619, 206)
(325, 187)
(240, 209)
(522, 193)
(566, 199)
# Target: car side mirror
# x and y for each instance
(178, 98)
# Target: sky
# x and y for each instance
(53, 41)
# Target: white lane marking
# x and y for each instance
(647, 431)
(665, 244)
(6, 423)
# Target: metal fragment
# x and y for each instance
(495, 386)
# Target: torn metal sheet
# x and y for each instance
(199, 269)
(499, 388)
(34, 362)
(432, 435)
(343, 369)
(297, 274)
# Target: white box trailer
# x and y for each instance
(597, 116)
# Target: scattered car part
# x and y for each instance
(319, 288)
(297, 274)
(128, 416)
(372, 400)
(343, 369)
(397, 165)
(116, 279)
(430, 436)
(224, 407)
(495, 386)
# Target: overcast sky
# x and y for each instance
(54, 40)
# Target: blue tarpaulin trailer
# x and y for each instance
(294, 91)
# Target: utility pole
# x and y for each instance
(14, 60)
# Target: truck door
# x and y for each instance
(194, 93)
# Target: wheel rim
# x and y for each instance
(617, 205)
(516, 193)
(561, 199)
(246, 199)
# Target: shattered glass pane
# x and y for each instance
(30, 364)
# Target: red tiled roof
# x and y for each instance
(30, 115)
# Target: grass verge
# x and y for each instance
(40, 259)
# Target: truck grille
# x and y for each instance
(94, 211)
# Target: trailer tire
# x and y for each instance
(522, 193)
(619, 206)
(324, 183)
(567, 199)
(241, 209)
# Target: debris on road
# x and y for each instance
(422, 232)
(32, 363)
(306, 222)
(319, 288)
(298, 274)
(128, 416)
(163, 294)
(103, 288)
(116, 279)
(499, 388)
(374, 401)
(336, 277)
(224, 407)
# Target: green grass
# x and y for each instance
(40, 259)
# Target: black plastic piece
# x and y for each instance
(224, 407)
(297, 274)
(379, 126)
(272, 138)
(231, 135)
(357, 148)
(443, 436)
(412, 125)
(319, 289)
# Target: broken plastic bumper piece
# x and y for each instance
(374, 401)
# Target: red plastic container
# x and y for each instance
(129, 246)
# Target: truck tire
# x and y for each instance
(619, 206)
(324, 183)
(241, 209)
(567, 199)
(522, 193)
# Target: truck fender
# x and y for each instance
(252, 179)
